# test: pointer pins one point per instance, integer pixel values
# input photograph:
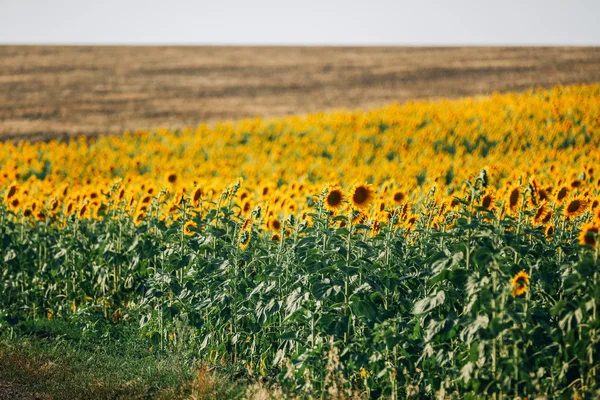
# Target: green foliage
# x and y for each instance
(412, 312)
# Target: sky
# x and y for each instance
(309, 22)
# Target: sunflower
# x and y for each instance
(178, 199)
(274, 224)
(362, 196)
(543, 195)
(54, 204)
(171, 177)
(197, 196)
(246, 224)
(12, 190)
(189, 228)
(597, 215)
(139, 217)
(410, 222)
(82, 211)
(333, 198)
(70, 206)
(575, 207)
(359, 217)
(375, 228)
(244, 195)
(244, 239)
(514, 197)
(246, 207)
(589, 235)
(275, 237)
(576, 183)
(398, 197)
(406, 210)
(14, 202)
(487, 201)
(546, 218)
(562, 194)
(540, 213)
(549, 231)
(519, 283)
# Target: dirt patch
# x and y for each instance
(58, 92)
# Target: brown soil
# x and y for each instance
(49, 92)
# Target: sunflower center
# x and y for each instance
(398, 196)
(361, 195)
(562, 194)
(334, 198)
(487, 201)
(514, 197)
(574, 206)
(539, 212)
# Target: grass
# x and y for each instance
(48, 359)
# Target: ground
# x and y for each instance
(48, 92)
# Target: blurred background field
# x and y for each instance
(62, 91)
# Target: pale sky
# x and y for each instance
(309, 22)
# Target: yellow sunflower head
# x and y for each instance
(197, 196)
(139, 217)
(589, 235)
(244, 239)
(514, 198)
(171, 177)
(54, 204)
(274, 224)
(487, 201)
(246, 207)
(11, 192)
(575, 207)
(246, 224)
(14, 202)
(83, 211)
(362, 195)
(333, 198)
(398, 197)
(562, 193)
(189, 228)
(520, 283)
(540, 213)
(549, 231)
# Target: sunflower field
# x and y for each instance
(442, 249)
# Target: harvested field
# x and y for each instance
(57, 92)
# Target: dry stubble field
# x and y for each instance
(50, 92)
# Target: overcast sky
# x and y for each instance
(310, 22)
